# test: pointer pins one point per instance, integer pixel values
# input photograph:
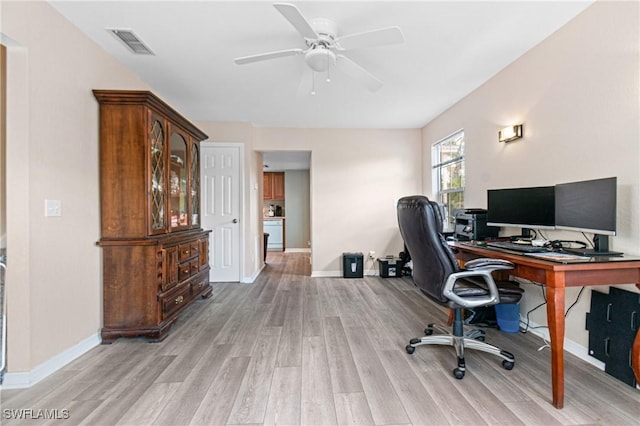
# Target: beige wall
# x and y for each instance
(577, 94)
(352, 170)
(53, 279)
(356, 177)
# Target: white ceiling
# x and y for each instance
(451, 48)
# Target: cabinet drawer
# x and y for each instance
(198, 285)
(195, 249)
(184, 271)
(176, 300)
(186, 251)
(187, 269)
(194, 265)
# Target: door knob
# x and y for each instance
(235, 220)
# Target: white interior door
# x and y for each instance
(221, 209)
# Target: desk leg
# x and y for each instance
(635, 354)
(555, 320)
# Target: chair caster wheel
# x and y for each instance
(508, 365)
(458, 374)
(414, 341)
(429, 330)
(410, 349)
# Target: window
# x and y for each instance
(447, 158)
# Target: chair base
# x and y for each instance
(473, 339)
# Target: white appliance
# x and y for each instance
(275, 228)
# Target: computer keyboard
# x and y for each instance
(508, 245)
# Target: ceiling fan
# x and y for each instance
(325, 48)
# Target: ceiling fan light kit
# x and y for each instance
(320, 60)
(320, 36)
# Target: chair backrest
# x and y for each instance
(420, 222)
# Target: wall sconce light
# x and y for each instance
(510, 133)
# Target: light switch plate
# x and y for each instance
(52, 208)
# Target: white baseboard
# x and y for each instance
(569, 345)
(252, 278)
(338, 274)
(297, 250)
(326, 274)
(25, 379)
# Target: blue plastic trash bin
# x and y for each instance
(508, 317)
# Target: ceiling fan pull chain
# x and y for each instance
(313, 82)
(328, 70)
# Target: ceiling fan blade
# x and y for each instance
(267, 56)
(295, 17)
(358, 73)
(380, 37)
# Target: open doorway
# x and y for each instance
(289, 207)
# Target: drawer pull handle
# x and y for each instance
(186, 252)
(179, 300)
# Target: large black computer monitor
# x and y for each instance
(526, 208)
(588, 206)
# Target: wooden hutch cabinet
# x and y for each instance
(155, 254)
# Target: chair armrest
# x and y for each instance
(475, 301)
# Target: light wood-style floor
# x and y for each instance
(290, 349)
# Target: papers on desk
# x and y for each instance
(557, 257)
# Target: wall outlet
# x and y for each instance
(52, 208)
(372, 254)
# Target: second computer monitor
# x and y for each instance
(527, 208)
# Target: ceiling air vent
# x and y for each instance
(131, 40)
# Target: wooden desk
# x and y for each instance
(556, 277)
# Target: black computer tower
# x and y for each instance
(471, 224)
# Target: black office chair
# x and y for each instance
(437, 274)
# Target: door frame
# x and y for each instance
(243, 216)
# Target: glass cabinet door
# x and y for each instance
(158, 190)
(195, 185)
(178, 201)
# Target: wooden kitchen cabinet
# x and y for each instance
(278, 186)
(273, 185)
(267, 186)
(155, 254)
